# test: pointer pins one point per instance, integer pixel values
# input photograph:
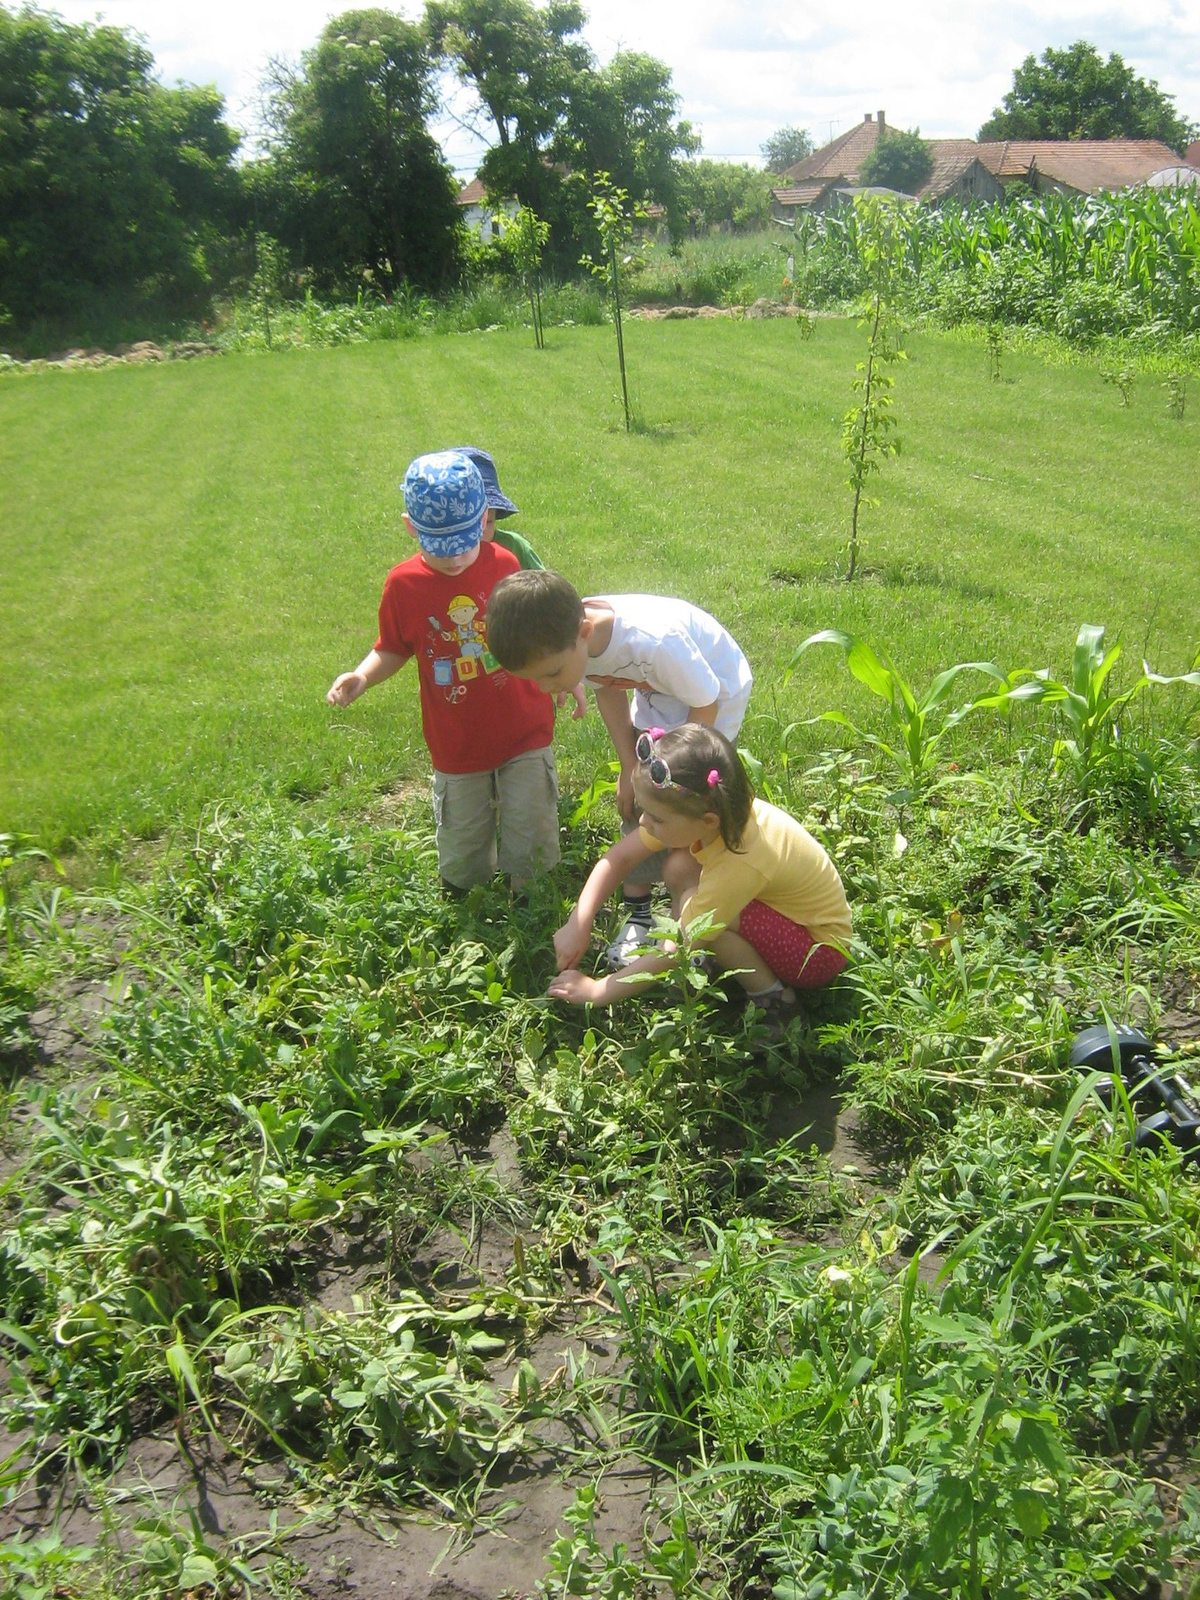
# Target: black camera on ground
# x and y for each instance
(1166, 1104)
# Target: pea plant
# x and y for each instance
(315, 1048)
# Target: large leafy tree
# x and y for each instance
(623, 119)
(356, 186)
(114, 191)
(718, 192)
(1076, 94)
(551, 111)
(522, 63)
(900, 160)
(785, 147)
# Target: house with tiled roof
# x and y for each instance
(825, 176)
(966, 169)
(1077, 166)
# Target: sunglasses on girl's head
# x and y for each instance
(657, 769)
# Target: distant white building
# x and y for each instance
(488, 221)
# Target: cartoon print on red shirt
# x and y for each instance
(468, 630)
(474, 715)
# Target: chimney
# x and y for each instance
(882, 126)
(867, 118)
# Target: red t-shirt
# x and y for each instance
(475, 716)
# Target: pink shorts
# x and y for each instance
(790, 951)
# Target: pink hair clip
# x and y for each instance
(714, 778)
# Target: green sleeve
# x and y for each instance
(520, 547)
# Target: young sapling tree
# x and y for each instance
(1122, 379)
(268, 276)
(995, 349)
(616, 217)
(867, 435)
(526, 237)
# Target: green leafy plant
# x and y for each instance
(1122, 379)
(266, 285)
(525, 237)
(42, 1567)
(18, 853)
(616, 216)
(867, 428)
(919, 724)
(1176, 387)
(579, 1566)
(1091, 707)
(995, 350)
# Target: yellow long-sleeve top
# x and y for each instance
(779, 863)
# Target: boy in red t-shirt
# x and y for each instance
(488, 732)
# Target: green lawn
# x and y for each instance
(192, 552)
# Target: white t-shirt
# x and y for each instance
(673, 656)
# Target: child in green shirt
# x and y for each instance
(499, 505)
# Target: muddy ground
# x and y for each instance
(375, 1553)
(357, 1553)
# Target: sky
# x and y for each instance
(742, 68)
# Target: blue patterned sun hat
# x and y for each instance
(445, 501)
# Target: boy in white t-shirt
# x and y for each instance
(679, 663)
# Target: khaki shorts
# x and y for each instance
(519, 801)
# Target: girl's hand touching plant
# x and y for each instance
(579, 989)
(571, 942)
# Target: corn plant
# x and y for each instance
(616, 217)
(1176, 387)
(1090, 706)
(918, 729)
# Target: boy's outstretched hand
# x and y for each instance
(578, 989)
(347, 687)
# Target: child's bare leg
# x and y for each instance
(738, 955)
(681, 874)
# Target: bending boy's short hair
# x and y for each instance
(532, 614)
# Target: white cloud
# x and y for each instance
(742, 67)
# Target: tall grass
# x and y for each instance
(245, 324)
